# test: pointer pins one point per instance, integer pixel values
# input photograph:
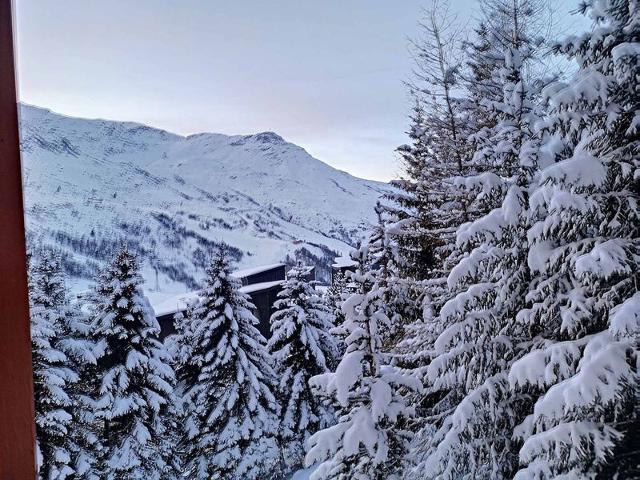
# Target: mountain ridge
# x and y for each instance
(91, 184)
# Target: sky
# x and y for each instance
(328, 76)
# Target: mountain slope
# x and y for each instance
(91, 185)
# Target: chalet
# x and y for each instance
(262, 284)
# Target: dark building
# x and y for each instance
(263, 296)
(262, 284)
(166, 325)
(265, 273)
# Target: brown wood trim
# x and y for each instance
(17, 430)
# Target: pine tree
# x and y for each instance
(180, 347)
(46, 279)
(490, 279)
(52, 380)
(399, 293)
(132, 381)
(428, 207)
(484, 56)
(369, 440)
(59, 353)
(339, 290)
(431, 205)
(334, 296)
(584, 316)
(425, 214)
(228, 392)
(302, 347)
(82, 353)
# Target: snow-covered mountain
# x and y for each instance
(93, 184)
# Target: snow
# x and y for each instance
(602, 371)
(625, 318)
(252, 271)
(590, 87)
(256, 287)
(180, 302)
(93, 181)
(381, 398)
(546, 366)
(525, 326)
(581, 170)
(304, 474)
(604, 259)
(346, 375)
(175, 303)
(565, 435)
(538, 255)
(343, 262)
(626, 49)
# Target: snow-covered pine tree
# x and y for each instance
(483, 59)
(427, 207)
(46, 279)
(302, 347)
(489, 283)
(399, 293)
(369, 441)
(82, 352)
(339, 290)
(228, 399)
(585, 252)
(466, 113)
(180, 348)
(452, 108)
(59, 352)
(52, 378)
(132, 381)
(333, 297)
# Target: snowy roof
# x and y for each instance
(341, 262)
(256, 287)
(178, 303)
(252, 271)
(175, 304)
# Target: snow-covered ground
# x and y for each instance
(91, 185)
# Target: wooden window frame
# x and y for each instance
(17, 427)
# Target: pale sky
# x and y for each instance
(327, 76)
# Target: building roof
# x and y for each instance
(180, 302)
(247, 272)
(343, 262)
(257, 287)
(175, 304)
